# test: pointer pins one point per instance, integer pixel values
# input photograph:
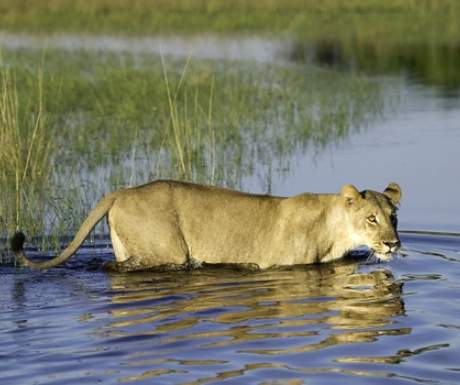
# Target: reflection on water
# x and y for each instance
(253, 48)
(430, 64)
(274, 313)
(433, 64)
(390, 323)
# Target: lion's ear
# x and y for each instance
(350, 194)
(393, 191)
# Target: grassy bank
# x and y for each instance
(392, 20)
(119, 120)
(420, 37)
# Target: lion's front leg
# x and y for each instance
(131, 264)
(139, 264)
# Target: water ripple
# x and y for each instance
(390, 323)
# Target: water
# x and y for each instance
(417, 147)
(363, 323)
(250, 48)
(353, 321)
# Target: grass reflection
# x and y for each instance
(431, 63)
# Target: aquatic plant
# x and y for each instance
(187, 139)
(117, 120)
(25, 153)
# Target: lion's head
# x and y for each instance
(372, 220)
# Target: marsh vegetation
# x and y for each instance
(84, 124)
(392, 21)
(420, 36)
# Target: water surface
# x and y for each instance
(418, 146)
(392, 323)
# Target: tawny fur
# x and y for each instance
(169, 223)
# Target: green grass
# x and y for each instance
(25, 156)
(117, 120)
(364, 20)
(418, 37)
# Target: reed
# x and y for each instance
(126, 120)
(190, 128)
(25, 152)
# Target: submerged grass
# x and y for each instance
(114, 120)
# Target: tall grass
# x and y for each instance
(124, 121)
(25, 152)
(186, 130)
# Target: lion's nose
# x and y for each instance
(392, 245)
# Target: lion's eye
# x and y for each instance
(372, 219)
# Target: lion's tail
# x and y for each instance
(101, 209)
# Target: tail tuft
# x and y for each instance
(17, 241)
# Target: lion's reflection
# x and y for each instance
(274, 312)
(292, 301)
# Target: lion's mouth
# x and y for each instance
(384, 256)
(387, 252)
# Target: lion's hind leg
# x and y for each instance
(119, 248)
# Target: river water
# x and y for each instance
(356, 321)
(392, 323)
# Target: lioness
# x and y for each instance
(168, 223)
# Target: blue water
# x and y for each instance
(388, 323)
